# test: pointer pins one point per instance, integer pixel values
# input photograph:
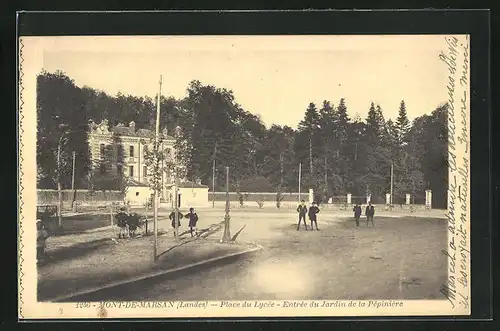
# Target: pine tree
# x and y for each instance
(327, 133)
(308, 145)
(402, 124)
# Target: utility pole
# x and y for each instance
(73, 202)
(326, 173)
(213, 176)
(227, 234)
(280, 188)
(281, 170)
(176, 209)
(59, 185)
(300, 175)
(392, 179)
(155, 212)
(310, 157)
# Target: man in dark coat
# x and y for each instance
(357, 214)
(172, 218)
(313, 211)
(193, 219)
(369, 212)
(302, 210)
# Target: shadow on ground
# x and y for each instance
(74, 251)
(116, 293)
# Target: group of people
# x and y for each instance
(193, 220)
(313, 211)
(369, 213)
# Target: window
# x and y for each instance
(119, 169)
(131, 171)
(145, 172)
(102, 168)
(169, 151)
(102, 150)
(131, 151)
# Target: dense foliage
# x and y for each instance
(348, 154)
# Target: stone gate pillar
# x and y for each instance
(311, 195)
(349, 198)
(368, 198)
(387, 198)
(408, 198)
(428, 199)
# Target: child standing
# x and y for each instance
(369, 212)
(193, 219)
(172, 218)
(313, 211)
(357, 214)
(302, 210)
(41, 237)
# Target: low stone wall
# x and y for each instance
(84, 198)
(254, 197)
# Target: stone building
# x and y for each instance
(119, 152)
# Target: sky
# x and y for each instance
(275, 77)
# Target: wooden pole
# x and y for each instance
(213, 176)
(155, 213)
(59, 186)
(73, 201)
(111, 219)
(176, 209)
(392, 179)
(326, 174)
(310, 158)
(213, 184)
(281, 170)
(300, 175)
(227, 234)
(146, 216)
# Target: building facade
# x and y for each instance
(120, 152)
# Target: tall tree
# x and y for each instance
(61, 129)
(329, 168)
(342, 122)
(378, 160)
(308, 145)
(402, 124)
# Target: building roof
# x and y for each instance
(143, 133)
(135, 183)
(189, 184)
(122, 130)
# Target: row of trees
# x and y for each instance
(338, 154)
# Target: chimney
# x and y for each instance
(131, 125)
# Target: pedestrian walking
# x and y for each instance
(302, 210)
(357, 214)
(369, 212)
(193, 219)
(172, 218)
(313, 211)
(41, 237)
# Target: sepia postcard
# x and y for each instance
(244, 176)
